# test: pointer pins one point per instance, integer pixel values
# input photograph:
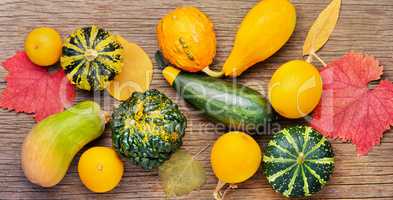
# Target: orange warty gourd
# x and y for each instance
(264, 30)
(187, 39)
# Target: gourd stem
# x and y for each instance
(162, 63)
(312, 54)
(106, 116)
(319, 59)
(300, 159)
(219, 194)
(215, 74)
(309, 59)
(91, 54)
(201, 151)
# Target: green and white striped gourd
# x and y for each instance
(298, 161)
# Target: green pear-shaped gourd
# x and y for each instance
(52, 144)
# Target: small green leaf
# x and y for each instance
(181, 174)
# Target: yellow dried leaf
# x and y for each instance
(136, 73)
(181, 174)
(322, 28)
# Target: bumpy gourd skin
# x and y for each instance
(187, 39)
(51, 145)
(147, 128)
(264, 30)
(91, 58)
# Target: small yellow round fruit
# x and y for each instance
(235, 157)
(100, 169)
(43, 46)
(295, 89)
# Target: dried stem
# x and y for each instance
(212, 73)
(106, 116)
(319, 59)
(222, 190)
(309, 59)
(201, 151)
(218, 195)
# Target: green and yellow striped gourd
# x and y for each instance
(298, 161)
(91, 58)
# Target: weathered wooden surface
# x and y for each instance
(364, 26)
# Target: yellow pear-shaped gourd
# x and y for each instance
(187, 39)
(265, 29)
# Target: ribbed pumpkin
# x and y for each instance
(298, 161)
(187, 39)
(147, 128)
(91, 58)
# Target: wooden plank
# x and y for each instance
(365, 26)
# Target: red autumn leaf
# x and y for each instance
(349, 110)
(32, 89)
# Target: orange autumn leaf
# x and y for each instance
(136, 74)
(322, 28)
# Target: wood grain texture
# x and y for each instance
(365, 26)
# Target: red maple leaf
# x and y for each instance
(32, 89)
(349, 110)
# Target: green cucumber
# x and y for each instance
(231, 104)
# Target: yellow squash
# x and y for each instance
(265, 29)
(187, 39)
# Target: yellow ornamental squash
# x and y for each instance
(187, 39)
(91, 58)
(265, 29)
